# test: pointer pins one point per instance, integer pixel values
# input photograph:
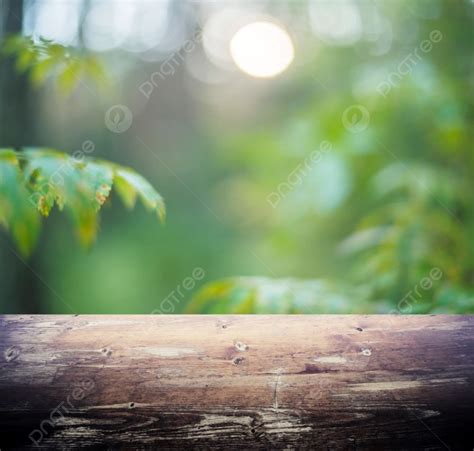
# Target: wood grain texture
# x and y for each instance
(237, 382)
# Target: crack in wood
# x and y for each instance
(275, 388)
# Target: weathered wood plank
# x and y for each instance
(215, 382)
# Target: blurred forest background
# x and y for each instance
(345, 183)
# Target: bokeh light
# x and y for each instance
(262, 49)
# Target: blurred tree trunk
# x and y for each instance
(20, 289)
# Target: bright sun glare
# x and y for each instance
(262, 49)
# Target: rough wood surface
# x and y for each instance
(237, 382)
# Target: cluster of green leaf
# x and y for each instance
(387, 204)
(43, 58)
(33, 181)
(243, 295)
(420, 220)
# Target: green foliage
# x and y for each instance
(16, 212)
(387, 204)
(44, 58)
(32, 182)
(266, 295)
(361, 228)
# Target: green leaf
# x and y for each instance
(78, 186)
(41, 71)
(129, 184)
(69, 77)
(42, 58)
(17, 212)
(222, 295)
(100, 177)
